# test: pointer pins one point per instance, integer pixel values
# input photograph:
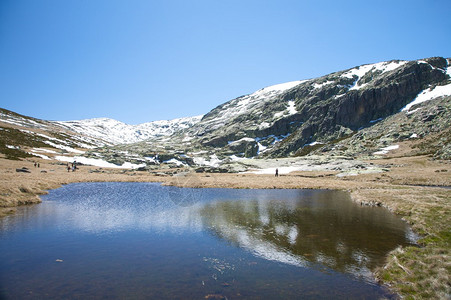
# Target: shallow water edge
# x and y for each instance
(265, 233)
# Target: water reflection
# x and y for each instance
(151, 241)
(119, 207)
(325, 228)
(296, 227)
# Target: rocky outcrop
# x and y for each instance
(329, 117)
(310, 116)
(248, 147)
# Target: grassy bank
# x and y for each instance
(421, 272)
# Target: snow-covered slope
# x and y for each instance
(116, 132)
(248, 104)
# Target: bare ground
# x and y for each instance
(412, 188)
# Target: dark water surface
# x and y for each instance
(147, 241)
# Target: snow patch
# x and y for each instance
(282, 170)
(261, 148)
(175, 162)
(429, 94)
(290, 110)
(236, 158)
(361, 71)
(152, 159)
(39, 155)
(44, 150)
(213, 162)
(66, 148)
(98, 162)
(264, 125)
(291, 107)
(245, 139)
(278, 87)
(315, 143)
(385, 150)
(320, 85)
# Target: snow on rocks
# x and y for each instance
(428, 94)
(98, 162)
(65, 148)
(245, 104)
(39, 155)
(278, 88)
(315, 143)
(214, 161)
(342, 166)
(116, 132)
(361, 71)
(245, 139)
(385, 150)
(290, 110)
(291, 107)
(175, 161)
(321, 85)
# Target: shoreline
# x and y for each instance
(406, 190)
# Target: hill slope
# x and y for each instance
(364, 111)
(116, 132)
(324, 109)
(344, 113)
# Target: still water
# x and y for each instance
(147, 241)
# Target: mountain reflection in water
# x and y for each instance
(325, 228)
(148, 241)
(308, 228)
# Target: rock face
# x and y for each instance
(295, 118)
(328, 116)
(428, 129)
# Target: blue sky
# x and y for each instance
(140, 61)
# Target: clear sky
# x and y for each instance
(140, 61)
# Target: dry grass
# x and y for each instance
(418, 272)
(414, 272)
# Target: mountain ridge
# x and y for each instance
(117, 132)
(324, 109)
(323, 115)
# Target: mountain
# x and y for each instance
(24, 136)
(283, 121)
(355, 112)
(365, 111)
(116, 132)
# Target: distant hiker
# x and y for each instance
(277, 172)
(35, 164)
(68, 168)
(39, 165)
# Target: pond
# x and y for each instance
(148, 241)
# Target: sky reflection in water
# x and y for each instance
(318, 233)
